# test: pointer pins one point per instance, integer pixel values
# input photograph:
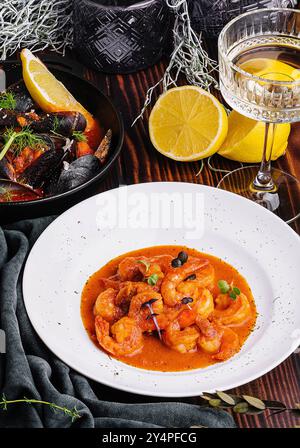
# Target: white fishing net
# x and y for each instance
(35, 24)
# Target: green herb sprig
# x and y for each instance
(55, 125)
(5, 194)
(19, 140)
(7, 101)
(79, 136)
(246, 404)
(153, 279)
(73, 413)
(145, 263)
(225, 288)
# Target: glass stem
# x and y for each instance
(263, 180)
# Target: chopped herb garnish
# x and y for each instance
(79, 136)
(145, 263)
(223, 286)
(7, 101)
(236, 291)
(17, 141)
(152, 280)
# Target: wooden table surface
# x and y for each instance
(140, 162)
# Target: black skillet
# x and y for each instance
(70, 73)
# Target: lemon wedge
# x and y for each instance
(49, 93)
(245, 139)
(187, 123)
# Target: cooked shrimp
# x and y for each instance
(175, 276)
(218, 340)
(211, 336)
(134, 268)
(129, 268)
(182, 341)
(222, 301)
(111, 282)
(130, 289)
(126, 339)
(186, 317)
(163, 261)
(169, 315)
(237, 313)
(105, 306)
(141, 313)
(205, 277)
(230, 345)
(204, 306)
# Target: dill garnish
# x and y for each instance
(5, 194)
(55, 125)
(79, 136)
(7, 100)
(19, 140)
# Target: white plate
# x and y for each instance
(261, 246)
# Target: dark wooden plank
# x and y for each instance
(140, 162)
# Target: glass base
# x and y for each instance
(283, 199)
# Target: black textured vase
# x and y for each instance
(119, 36)
(210, 16)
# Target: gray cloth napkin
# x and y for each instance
(29, 369)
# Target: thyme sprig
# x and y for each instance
(73, 413)
(19, 140)
(7, 101)
(246, 404)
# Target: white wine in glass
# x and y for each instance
(259, 58)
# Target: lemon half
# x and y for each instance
(187, 123)
(245, 139)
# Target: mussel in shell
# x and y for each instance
(7, 170)
(42, 169)
(13, 191)
(77, 173)
(22, 98)
(63, 123)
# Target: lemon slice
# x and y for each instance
(270, 69)
(49, 93)
(187, 123)
(245, 139)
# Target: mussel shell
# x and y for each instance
(63, 123)
(78, 172)
(42, 168)
(24, 102)
(7, 170)
(13, 191)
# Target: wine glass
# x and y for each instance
(259, 63)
